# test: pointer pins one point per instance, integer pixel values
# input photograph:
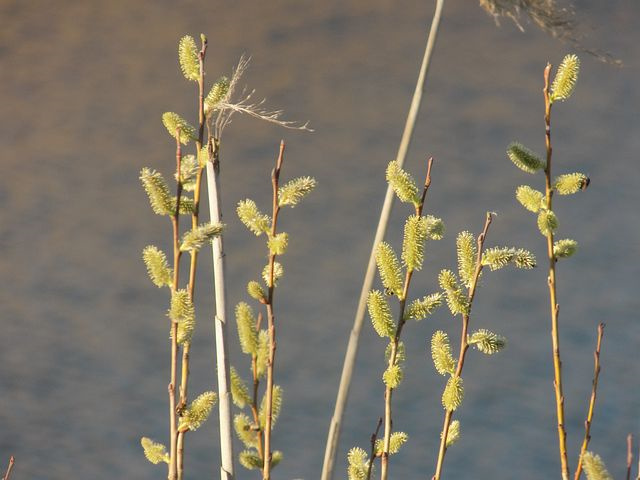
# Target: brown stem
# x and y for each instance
(275, 177)
(254, 399)
(464, 345)
(372, 457)
(555, 335)
(388, 392)
(12, 460)
(592, 401)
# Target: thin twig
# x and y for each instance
(275, 177)
(592, 401)
(464, 344)
(388, 392)
(254, 398)
(629, 455)
(333, 436)
(555, 335)
(12, 460)
(374, 437)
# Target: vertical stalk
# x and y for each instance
(555, 336)
(9, 468)
(222, 360)
(629, 455)
(254, 398)
(464, 345)
(388, 392)
(175, 222)
(275, 177)
(186, 348)
(372, 456)
(333, 436)
(592, 401)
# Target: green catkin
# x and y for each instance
(187, 207)
(441, 353)
(565, 79)
(453, 393)
(157, 267)
(188, 170)
(457, 301)
(250, 460)
(245, 430)
(466, 250)
(252, 218)
(278, 243)
(197, 412)
(434, 227)
(402, 183)
(380, 314)
(216, 95)
(174, 122)
(185, 331)
(392, 376)
(497, 257)
(422, 308)
(263, 353)
(524, 259)
(162, 203)
(294, 191)
(487, 342)
(453, 435)
(565, 248)
(188, 57)
(570, 183)
(181, 309)
(530, 198)
(547, 222)
(155, 452)
(247, 333)
(524, 159)
(278, 271)
(594, 467)
(255, 291)
(415, 235)
(203, 234)
(276, 401)
(389, 269)
(396, 441)
(239, 391)
(400, 353)
(358, 464)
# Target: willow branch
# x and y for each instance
(333, 436)
(464, 345)
(374, 437)
(12, 460)
(555, 335)
(592, 401)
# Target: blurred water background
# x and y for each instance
(84, 334)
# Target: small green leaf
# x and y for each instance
(239, 391)
(392, 376)
(441, 353)
(295, 190)
(255, 290)
(457, 301)
(422, 308)
(157, 266)
(547, 222)
(565, 79)
(188, 56)
(487, 342)
(174, 123)
(570, 183)
(594, 467)
(380, 314)
(278, 244)
(247, 332)
(524, 159)
(453, 435)
(466, 249)
(197, 412)
(565, 248)
(155, 452)
(389, 268)
(162, 203)
(453, 393)
(252, 218)
(530, 198)
(402, 183)
(196, 238)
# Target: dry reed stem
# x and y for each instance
(7, 475)
(629, 455)
(333, 436)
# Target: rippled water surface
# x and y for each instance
(84, 334)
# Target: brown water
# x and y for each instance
(84, 357)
